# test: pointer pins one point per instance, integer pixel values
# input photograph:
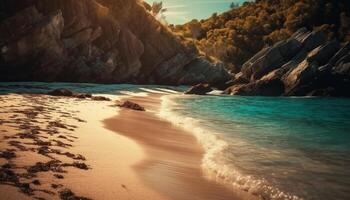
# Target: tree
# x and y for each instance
(157, 8)
(234, 5)
(158, 11)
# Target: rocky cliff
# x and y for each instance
(305, 64)
(106, 41)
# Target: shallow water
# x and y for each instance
(277, 148)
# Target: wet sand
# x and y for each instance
(173, 156)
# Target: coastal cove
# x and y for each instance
(237, 146)
(175, 100)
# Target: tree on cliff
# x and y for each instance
(234, 5)
(158, 11)
(236, 35)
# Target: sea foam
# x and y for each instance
(214, 164)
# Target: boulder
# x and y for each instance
(82, 95)
(199, 89)
(61, 92)
(200, 70)
(100, 98)
(132, 106)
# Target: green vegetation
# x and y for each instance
(234, 36)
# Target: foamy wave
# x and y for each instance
(168, 90)
(213, 162)
(216, 92)
(153, 91)
(137, 94)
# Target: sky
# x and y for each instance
(182, 11)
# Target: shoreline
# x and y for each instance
(173, 156)
(125, 154)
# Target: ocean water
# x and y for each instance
(276, 148)
(113, 89)
(273, 147)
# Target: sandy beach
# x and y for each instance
(60, 148)
(173, 156)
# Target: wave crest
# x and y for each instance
(214, 164)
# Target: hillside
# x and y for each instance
(235, 36)
(103, 41)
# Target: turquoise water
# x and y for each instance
(277, 148)
(42, 87)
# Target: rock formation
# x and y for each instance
(199, 89)
(101, 41)
(305, 64)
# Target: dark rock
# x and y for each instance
(82, 95)
(36, 182)
(57, 124)
(25, 188)
(132, 106)
(53, 165)
(100, 98)
(327, 92)
(7, 154)
(55, 186)
(323, 53)
(340, 54)
(59, 176)
(61, 92)
(273, 87)
(7, 175)
(67, 194)
(79, 165)
(342, 67)
(200, 89)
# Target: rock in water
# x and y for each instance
(200, 89)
